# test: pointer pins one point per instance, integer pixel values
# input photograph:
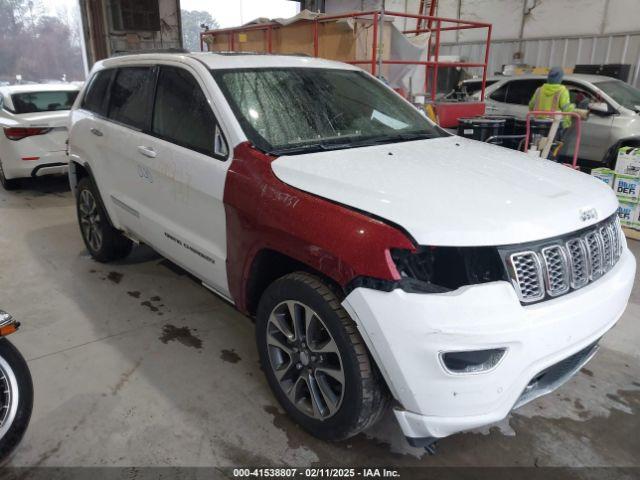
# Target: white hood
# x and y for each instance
(453, 191)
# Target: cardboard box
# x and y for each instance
(628, 161)
(342, 39)
(628, 214)
(605, 174)
(635, 221)
(627, 188)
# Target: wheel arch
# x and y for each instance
(78, 171)
(267, 266)
(611, 155)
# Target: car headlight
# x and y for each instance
(442, 269)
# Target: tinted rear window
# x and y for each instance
(30, 102)
(95, 100)
(500, 95)
(521, 91)
(131, 97)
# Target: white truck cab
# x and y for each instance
(381, 256)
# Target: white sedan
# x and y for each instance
(33, 119)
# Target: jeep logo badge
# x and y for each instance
(587, 214)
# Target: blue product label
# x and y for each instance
(605, 178)
(627, 188)
(625, 212)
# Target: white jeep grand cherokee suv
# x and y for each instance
(381, 257)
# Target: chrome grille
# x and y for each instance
(554, 267)
(528, 275)
(594, 252)
(579, 262)
(556, 270)
(607, 247)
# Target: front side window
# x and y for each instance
(95, 99)
(182, 114)
(296, 110)
(131, 96)
(623, 93)
(579, 96)
(31, 102)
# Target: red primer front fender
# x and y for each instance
(262, 212)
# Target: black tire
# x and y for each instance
(365, 395)
(8, 184)
(112, 244)
(17, 365)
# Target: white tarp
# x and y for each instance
(403, 47)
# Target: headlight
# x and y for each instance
(442, 269)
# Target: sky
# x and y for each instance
(228, 13)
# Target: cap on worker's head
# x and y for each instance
(555, 75)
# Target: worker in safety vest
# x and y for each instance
(553, 97)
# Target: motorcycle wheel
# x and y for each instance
(16, 398)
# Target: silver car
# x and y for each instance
(614, 107)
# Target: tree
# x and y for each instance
(35, 45)
(191, 21)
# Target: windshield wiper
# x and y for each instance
(347, 142)
(310, 148)
(395, 138)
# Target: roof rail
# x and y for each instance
(119, 53)
(231, 53)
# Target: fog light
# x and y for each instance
(475, 361)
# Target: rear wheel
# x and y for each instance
(103, 242)
(16, 398)
(8, 184)
(315, 361)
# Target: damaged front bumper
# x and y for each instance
(407, 334)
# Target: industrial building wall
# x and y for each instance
(550, 32)
(103, 38)
(546, 32)
(167, 37)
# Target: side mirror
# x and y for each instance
(5, 318)
(219, 143)
(1, 102)
(601, 108)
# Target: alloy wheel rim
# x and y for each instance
(9, 397)
(305, 359)
(90, 220)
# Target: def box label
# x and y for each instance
(627, 187)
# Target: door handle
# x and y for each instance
(96, 132)
(147, 151)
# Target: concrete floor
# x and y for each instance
(136, 364)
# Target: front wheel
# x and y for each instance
(16, 398)
(315, 360)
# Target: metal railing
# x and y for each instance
(435, 26)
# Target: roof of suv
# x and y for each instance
(223, 60)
